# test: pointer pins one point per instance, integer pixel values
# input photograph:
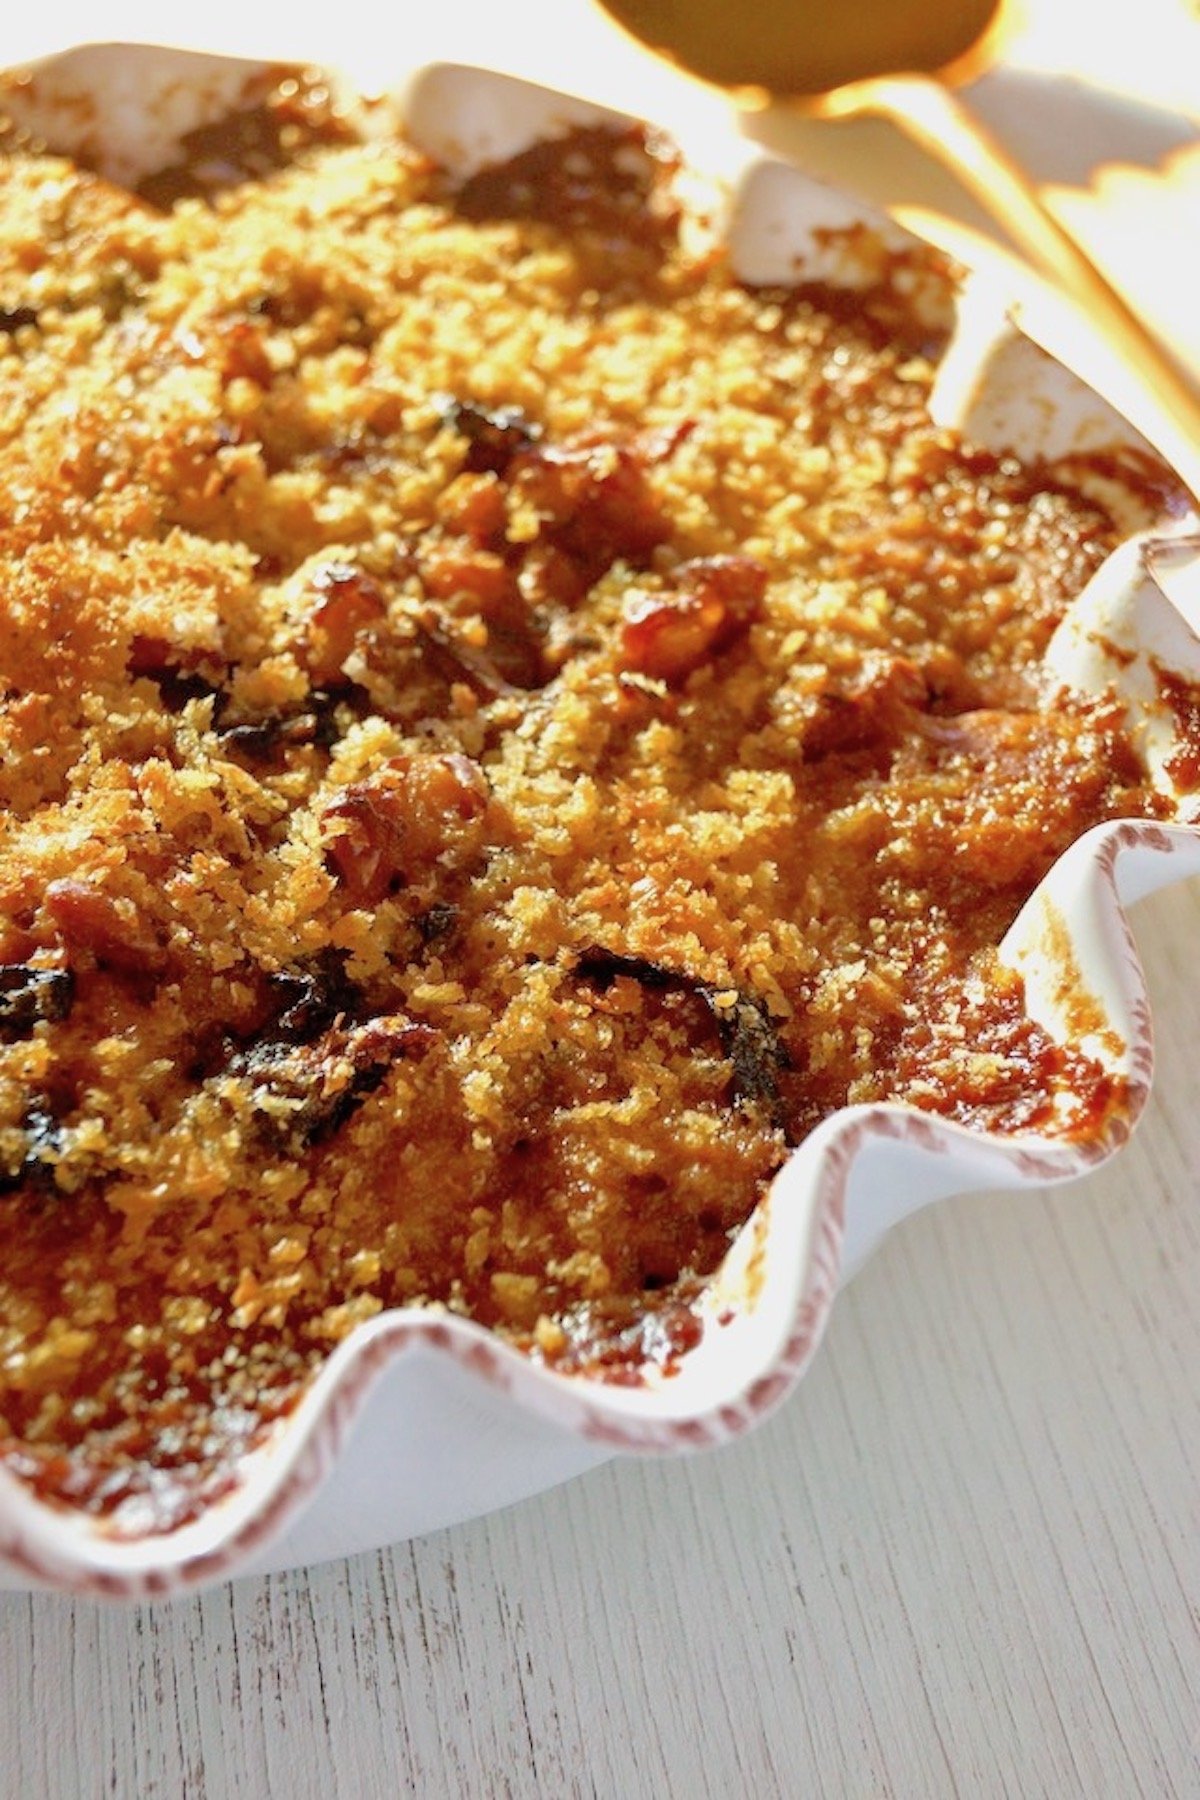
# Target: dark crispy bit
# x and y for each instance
(13, 317)
(335, 708)
(314, 997)
(43, 1142)
(751, 1042)
(604, 966)
(179, 674)
(29, 996)
(303, 1093)
(264, 741)
(437, 922)
(296, 1006)
(494, 435)
(747, 1034)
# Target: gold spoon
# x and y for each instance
(903, 63)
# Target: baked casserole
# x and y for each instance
(503, 729)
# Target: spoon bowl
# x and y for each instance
(795, 47)
(907, 64)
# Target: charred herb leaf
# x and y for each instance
(604, 966)
(750, 1041)
(303, 1093)
(263, 741)
(745, 1029)
(314, 996)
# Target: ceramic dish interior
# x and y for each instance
(483, 1424)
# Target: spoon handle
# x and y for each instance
(938, 121)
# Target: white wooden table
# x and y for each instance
(964, 1559)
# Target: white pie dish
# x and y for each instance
(481, 1424)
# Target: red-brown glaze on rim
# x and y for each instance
(308, 1472)
(1141, 1051)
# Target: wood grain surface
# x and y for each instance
(963, 1560)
